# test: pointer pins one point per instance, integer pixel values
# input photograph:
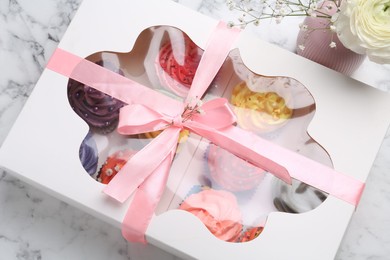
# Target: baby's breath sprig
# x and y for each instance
(253, 11)
(191, 110)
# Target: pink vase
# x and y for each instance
(316, 44)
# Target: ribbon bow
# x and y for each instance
(136, 119)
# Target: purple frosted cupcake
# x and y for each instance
(100, 111)
(88, 154)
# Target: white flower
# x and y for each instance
(334, 17)
(278, 19)
(332, 44)
(364, 27)
(313, 6)
(301, 47)
(230, 24)
(303, 27)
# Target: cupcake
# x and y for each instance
(219, 212)
(259, 112)
(88, 154)
(113, 165)
(296, 198)
(250, 233)
(100, 111)
(177, 70)
(231, 172)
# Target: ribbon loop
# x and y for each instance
(138, 119)
(215, 113)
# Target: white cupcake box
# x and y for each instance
(350, 122)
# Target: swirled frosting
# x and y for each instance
(219, 212)
(100, 111)
(88, 154)
(259, 111)
(179, 71)
(231, 172)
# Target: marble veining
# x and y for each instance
(36, 226)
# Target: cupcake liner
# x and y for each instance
(250, 233)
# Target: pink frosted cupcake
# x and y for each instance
(219, 212)
(231, 172)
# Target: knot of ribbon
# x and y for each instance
(188, 113)
(177, 121)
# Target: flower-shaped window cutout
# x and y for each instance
(223, 190)
(163, 58)
(232, 197)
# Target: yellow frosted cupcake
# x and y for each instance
(259, 111)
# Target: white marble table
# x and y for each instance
(34, 225)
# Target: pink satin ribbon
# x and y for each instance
(146, 173)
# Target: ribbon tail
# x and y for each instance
(232, 139)
(147, 196)
(142, 164)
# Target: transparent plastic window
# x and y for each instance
(229, 195)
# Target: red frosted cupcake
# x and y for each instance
(175, 68)
(113, 165)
